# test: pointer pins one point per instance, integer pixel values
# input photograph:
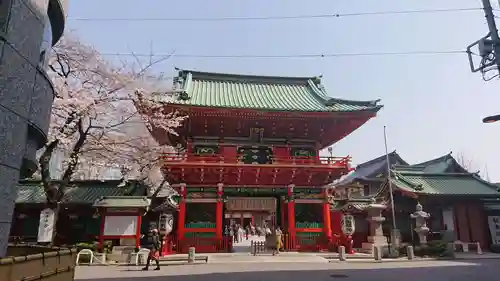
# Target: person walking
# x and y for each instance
(240, 233)
(231, 234)
(154, 246)
(278, 233)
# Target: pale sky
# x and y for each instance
(433, 104)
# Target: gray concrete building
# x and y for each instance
(28, 29)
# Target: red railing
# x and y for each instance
(306, 243)
(203, 245)
(275, 160)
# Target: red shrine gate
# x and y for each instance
(256, 139)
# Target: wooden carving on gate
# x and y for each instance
(195, 195)
(206, 150)
(302, 152)
(255, 154)
(256, 134)
(201, 195)
(309, 196)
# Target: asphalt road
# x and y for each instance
(484, 270)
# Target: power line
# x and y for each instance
(290, 56)
(255, 18)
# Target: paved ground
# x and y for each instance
(244, 246)
(292, 271)
(267, 258)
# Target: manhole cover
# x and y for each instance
(339, 276)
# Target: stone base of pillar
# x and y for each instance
(373, 241)
(396, 237)
(379, 240)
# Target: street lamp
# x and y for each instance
(491, 119)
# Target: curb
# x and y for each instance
(140, 265)
(383, 260)
(414, 260)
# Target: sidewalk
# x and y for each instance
(296, 257)
(473, 256)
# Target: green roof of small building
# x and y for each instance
(443, 164)
(79, 192)
(305, 94)
(461, 184)
(123, 202)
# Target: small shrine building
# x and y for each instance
(78, 220)
(462, 205)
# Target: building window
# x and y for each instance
(46, 44)
(366, 190)
(4, 14)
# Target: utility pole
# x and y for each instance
(488, 46)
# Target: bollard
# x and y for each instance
(410, 253)
(450, 250)
(478, 249)
(465, 247)
(191, 254)
(377, 253)
(342, 256)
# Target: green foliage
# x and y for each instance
(89, 246)
(495, 248)
(107, 247)
(432, 249)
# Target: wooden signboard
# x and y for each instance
(251, 204)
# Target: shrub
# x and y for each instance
(107, 247)
(89, 246)
(495, 248)
(432, 249)
(402, 251)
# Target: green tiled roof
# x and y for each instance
(360, 203)
(81, 192)
(261, 92)
(442, 183)
(443, 164)
(123, 201)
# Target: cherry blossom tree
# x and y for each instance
(95, 122)
(466, 162)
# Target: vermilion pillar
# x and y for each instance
(291, 213)
(138, 232)
(282, 213)
(327, 227)
(218, 211)
(101, 230)
(182, 212)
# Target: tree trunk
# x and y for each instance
(57, 209)
(55, 191)
(49, 187)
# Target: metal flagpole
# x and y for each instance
(389, 181)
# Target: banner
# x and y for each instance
(494, 224)
(46, 225)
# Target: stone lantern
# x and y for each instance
(375, 218)
(421, 223)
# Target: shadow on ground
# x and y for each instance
(456, 271)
